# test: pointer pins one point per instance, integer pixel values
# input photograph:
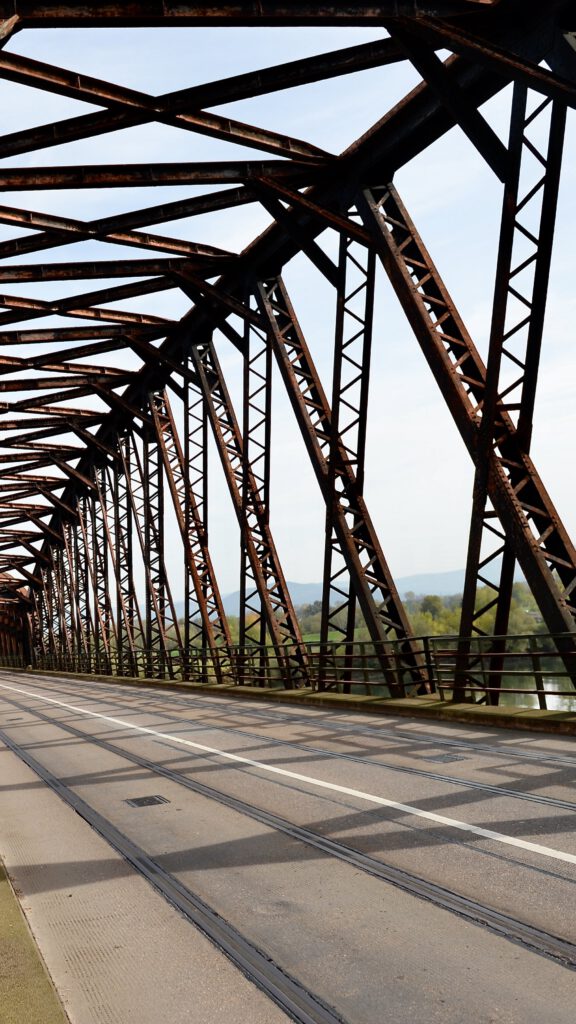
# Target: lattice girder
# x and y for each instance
(85, 458)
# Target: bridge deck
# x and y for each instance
(386, 868)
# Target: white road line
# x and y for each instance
(438, 819)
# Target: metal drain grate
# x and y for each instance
(146, 801)
(445, 758)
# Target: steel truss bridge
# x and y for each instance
(95, 450)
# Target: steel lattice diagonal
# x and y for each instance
(122, 308)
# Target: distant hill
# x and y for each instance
(301, 593)
(441, 583)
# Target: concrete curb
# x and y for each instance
(27, 992)
(428, 707)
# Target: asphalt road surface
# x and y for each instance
(299, 863)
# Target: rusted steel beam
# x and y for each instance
(83, 589)
(11, 492)
(77, 618)
(93, 553)
(74, 474)
(221, 299)
(31, 423)
(92, 443)
(46, 610)
(54, 231)
(7, 29)
(23, 456)
(75, 374)
(417, 121)
(21, 536)
(414, 123)
(290, 75)
(329, 218)
(265, 565)
(62, 507)
(114, 337)
(84, 306)
(350, 386)
(488, 53)
(28, 72)
(77, 271)
(39, 403)
(88, 126)
(49, 451)
(284, 249)
(139, 108)
(26, 477)
(14, 179)
(195, 453)
(515, 345)
(53, 362)
(420, 119)
(419, 92)
(33, 508)
(369, 572)
(471, 121)
(307, 245)
(144, 482)
(537, 534)
(152, 357)
(198, 563)
(256, 434)
(128, 616)
(216, 309)
(124, 621)
(65, 589)
(79, 385)
(117, 403)
(12, 520)
(31, 442)
(159, 13)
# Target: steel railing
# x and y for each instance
(532, 669)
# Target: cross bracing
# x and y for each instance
(113, 394)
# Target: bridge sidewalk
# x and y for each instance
(26, 990)
(116, 951)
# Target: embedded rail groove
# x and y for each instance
(286, 991)
(536, 939)
(278, 715)
(451, 780)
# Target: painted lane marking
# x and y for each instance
(438, 819)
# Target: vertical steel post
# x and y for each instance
(128, 618)
(144, 482)
(256, 433)
(195, 462)
(383, 612)
(537, 534)
(82, 583)
(106, 626)
(197, 562)
(264, 562)
(350, 387)
(521, 288)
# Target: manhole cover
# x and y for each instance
(146, 801)
(445, 758)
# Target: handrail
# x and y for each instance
(530, 665)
